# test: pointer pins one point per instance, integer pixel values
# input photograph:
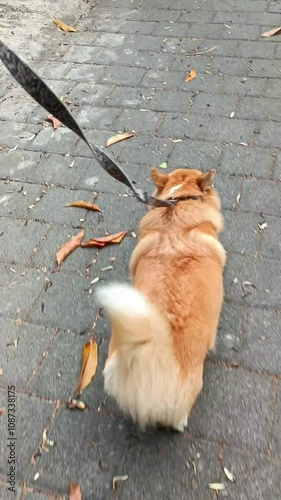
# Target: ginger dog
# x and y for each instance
(163, 325)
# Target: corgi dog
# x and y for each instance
(165, 322)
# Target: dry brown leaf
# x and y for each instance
(191, 75)
(75, 492)
(105, 240)
(55, 122)
(116, 479)
(274, 31)
(84, 204)
(217, 486)
(229, 474)
(89, 365)
(64, 27)
(119, 138)
(69, 247)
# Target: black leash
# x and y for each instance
(41, 93)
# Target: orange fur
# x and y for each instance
(161, 335)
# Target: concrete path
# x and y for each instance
(125, 69)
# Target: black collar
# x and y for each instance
(184, 198)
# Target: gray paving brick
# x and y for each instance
(203, 83)
(102, 55)
(271, 239)
(188, 126)
(6, 494)
(97, 117)
(19, 164)
(228, 333)
(89, 38)
(230, 130)
(19, 289)
(260, 344)
(239, 6)
(54, 70)
(256, 49)
(155, 15)
(162, 79)
(273, 6)
(242, 160)
(172, 29)
(241, 32)
(169, 100)
(36, 496)
(262, 196)
(200, 64)
(276, 440)
(213, 31)
(256, 476)
(16, 197)
(122, 76)
(32, 417)
(145, 122)
(194, 154)
(84, 72)
(121, 253)
(165, 4)
(67, 293)
(197, 16)
(243, 86)
(258, 108)
(26, 237)
(218, 105)
(17, 106)
(128, 97)
(19, 363)
(265, 276)
(142, 28)
(143, 150)
(230, 66)
(90, 94)
(240, 232)
(102, 443)
(272, 88)
(234, 406)
(52, 207)
(231, 18)
(156, 60)
(266, 68)
(98, 137)
(110, 40)
(225, 48)
(268, 134)
(161, 455)
(61, 140)
(16, 134)
(271, 19)
(228, 188)
(277, 169)
(58, 169)
(183, 46)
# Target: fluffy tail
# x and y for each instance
(133, 318)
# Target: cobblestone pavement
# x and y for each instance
(125, 70)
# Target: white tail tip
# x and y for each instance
(116, 297)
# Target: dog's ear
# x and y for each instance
(158, 178)
(205, 181)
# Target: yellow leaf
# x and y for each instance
(68, 247)
(89, 365)
(64, 27)
(274, 31)
(84, 204)
(191, 75)
(119, 138)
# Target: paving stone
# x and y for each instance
(6, 494)
(206, 31)
(16, 134)
(188, 126)
(102, 55)
(240, 232)
(32, 417)
(238, 5)
(16, 197)
(19, 289)
(228, 188)
(272, 88)
(243, 86)
(271, 238)
(143, 150)
(90, 94)
(165, 4)
(156, 60)
(142, 28)
(234, 406)
(17, 105)
(97, 137)
(265, 68)
(121, 253)
(36, 496)
(268, 133)
(144, 122)
(231, 18)
(61, 140)
(258, 108)
(118, 75)
(67, 293)
(256, 476)
(197, 16)
(200, 64)
(52, 207)
(228, 334)
(19, 363)
(271, 19)
(241, 32)
(274, 7)
(19, 239)
(276, 439)
(194, 154)
(97, 117)
(161, 453)
(102, 443)
(261, 340)
(262, 196)
(128, 97)
(218, 105)
(264, 275)
(256, 49)
(19, 164)
(203, 84)
(230, 66)
(155, 15)
(85, 72)
(110, 40)
(230, 130)
(241, 160)
(173, 30)
(59, 169)
(169, 101)
(54, 70)
(162, 79)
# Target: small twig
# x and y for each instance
(203, 51)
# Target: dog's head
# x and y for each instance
(184, 183)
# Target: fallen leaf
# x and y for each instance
(116, 479)
(247, 283)
(163, 165)
(238, 198)
(76, 403)
(105, 240)
(84, 204)
(1, 372)
(119, 138)
(216, 486)
(37, 475)
(75, 492)
(191, 75)
(55, 122)
(262, 226)
(107, 268)
(89, 365)
(68, 247)
(229, 474)
(95, 280)
(274, 31)
(64, 27)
